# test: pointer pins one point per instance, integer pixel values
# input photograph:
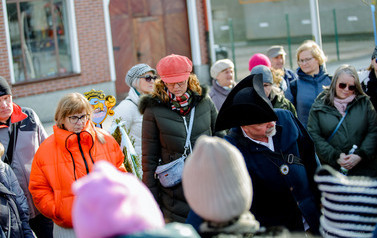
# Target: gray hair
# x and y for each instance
(343, 69)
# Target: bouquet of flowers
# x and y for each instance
(132, 161)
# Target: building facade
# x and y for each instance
(52, 47)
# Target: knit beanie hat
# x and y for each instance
(133, 74)
(219, 66)
(266, 73)
(349, 203)
(4, 87)
(109, 202)
(174, 68)
(374, 55)
(216, 183)
(259, 59)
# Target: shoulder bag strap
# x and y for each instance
(337, 127)
(188, 130)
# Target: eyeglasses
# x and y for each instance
(303, 61)
(344, 85)
(180, 84)
(149, 77)
(76, 119)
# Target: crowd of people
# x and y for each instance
(237, 158)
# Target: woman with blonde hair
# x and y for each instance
(175, 115)
(312, 76)
(67, 155)
(342, 117)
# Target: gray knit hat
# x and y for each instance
(135, 72)
(219, 66)
(265, 71)
(215, 180)
(374, 55)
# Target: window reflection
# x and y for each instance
(39, 39)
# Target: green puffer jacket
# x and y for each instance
(164, 136)
(358, 128)
(278, 100)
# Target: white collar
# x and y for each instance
(269, 144)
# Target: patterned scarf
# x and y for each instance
(182, 103)
(341, 104)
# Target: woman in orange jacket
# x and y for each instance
(67, 155)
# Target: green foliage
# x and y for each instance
(132, 165)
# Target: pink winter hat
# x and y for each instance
(259, 59)
(174, 68)
(109, 202)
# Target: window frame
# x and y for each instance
(74, 49)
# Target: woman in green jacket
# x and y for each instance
(164, 133)
(344, 98)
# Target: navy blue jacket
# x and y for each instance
(280, 200)
(303, 91)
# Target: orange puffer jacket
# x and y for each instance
(60, 160)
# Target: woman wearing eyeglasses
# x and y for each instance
(312, 76)
(344, 98)
(167, 112)
(140, 78)
(66, 156)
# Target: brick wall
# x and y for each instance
(93, 52)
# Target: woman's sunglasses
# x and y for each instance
(149, 77)
(350, 87)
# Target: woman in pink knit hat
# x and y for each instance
(177, 101)
(259, 59)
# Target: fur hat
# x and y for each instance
(374, 55)
(109, 202)
(174, 68)
(133, 74)
(266, 73)
(219, 66)
(259, 59)
(215, 180)
(275, 50)
(246, 104)
(4, 87)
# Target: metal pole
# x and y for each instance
(336, 35)
(210, 32)
(194, 33)
(289, 40)
(316, 26)
(231, 37)
(372, 8)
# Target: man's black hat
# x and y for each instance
(4, 87)
(246, 104)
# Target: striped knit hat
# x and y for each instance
(349, 204)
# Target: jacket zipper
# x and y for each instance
(82, 153)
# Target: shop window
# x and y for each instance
(40, 33)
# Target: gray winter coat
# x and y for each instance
(30, 135)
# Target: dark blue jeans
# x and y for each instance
(42, 226)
